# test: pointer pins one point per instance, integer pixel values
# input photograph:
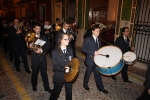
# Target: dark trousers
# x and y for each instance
(72, 45)
(57, 89)
(124, 72)
(10, 49)
(43, 70)
(145, 95)
(97, 76)
(5, 44)
(20, 51)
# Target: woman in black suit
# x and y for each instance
(61, 55)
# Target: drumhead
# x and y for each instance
(115, 55)
(129, 56)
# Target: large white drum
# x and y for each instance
(110, 64)
(129, 58)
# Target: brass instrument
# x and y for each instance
(74, 70)
(57, 27)
(30, 39)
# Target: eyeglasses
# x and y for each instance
(66, 39)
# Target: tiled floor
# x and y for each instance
(117, 90)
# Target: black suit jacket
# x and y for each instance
(35, 57)
(89, 47)
(17, 39)
(120, 42)
(59, 62)
(148, 76)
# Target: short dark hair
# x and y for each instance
(66, 23)
(95, 27)
(36, 24)
(123, 30)
(92, 23)
(57, 19)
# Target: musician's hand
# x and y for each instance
(30, 45)
(38, 50)
(18, 31)
(67, 69)
(132, 48)
(71, 36)
(46, 32)
(149, 91)
(96, 53)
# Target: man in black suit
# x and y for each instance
(123, 43)
(19, 46)
(54, 31)
(72, 37)
(90, 46)
(89, 31)
(45, 29)
(39, 62)
(147, 88)
(146, 94)
(63, 30)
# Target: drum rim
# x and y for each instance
(109, 66)
(132, 61)
(129, 51)
(114, 73)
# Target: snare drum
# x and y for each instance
(109, 65)
(129, 58)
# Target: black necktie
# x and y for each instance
(125, 40)
(97, 43)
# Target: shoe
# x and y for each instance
(34, 88)
(128, 82)
(28, 71)
(49, 90)
(2, 96)
(114, 78)
(86, 88)
(17, 69)
(104, 91)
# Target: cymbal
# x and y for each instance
(74, 65)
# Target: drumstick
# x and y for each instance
(104, 55)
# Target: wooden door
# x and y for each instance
(98, 11)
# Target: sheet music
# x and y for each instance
(40, 42)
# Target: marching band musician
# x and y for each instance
(63, 30)
(123, 43)
(61, 56)
(90, 46)
(38, 61)
(72, 36)
(19, 46)
(46, 30)
(55, 31)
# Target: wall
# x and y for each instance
(112, 10)
(47, 4)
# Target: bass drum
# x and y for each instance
(111, 64)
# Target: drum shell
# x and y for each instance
(108, 71)
(130, 63)
(132, 58)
